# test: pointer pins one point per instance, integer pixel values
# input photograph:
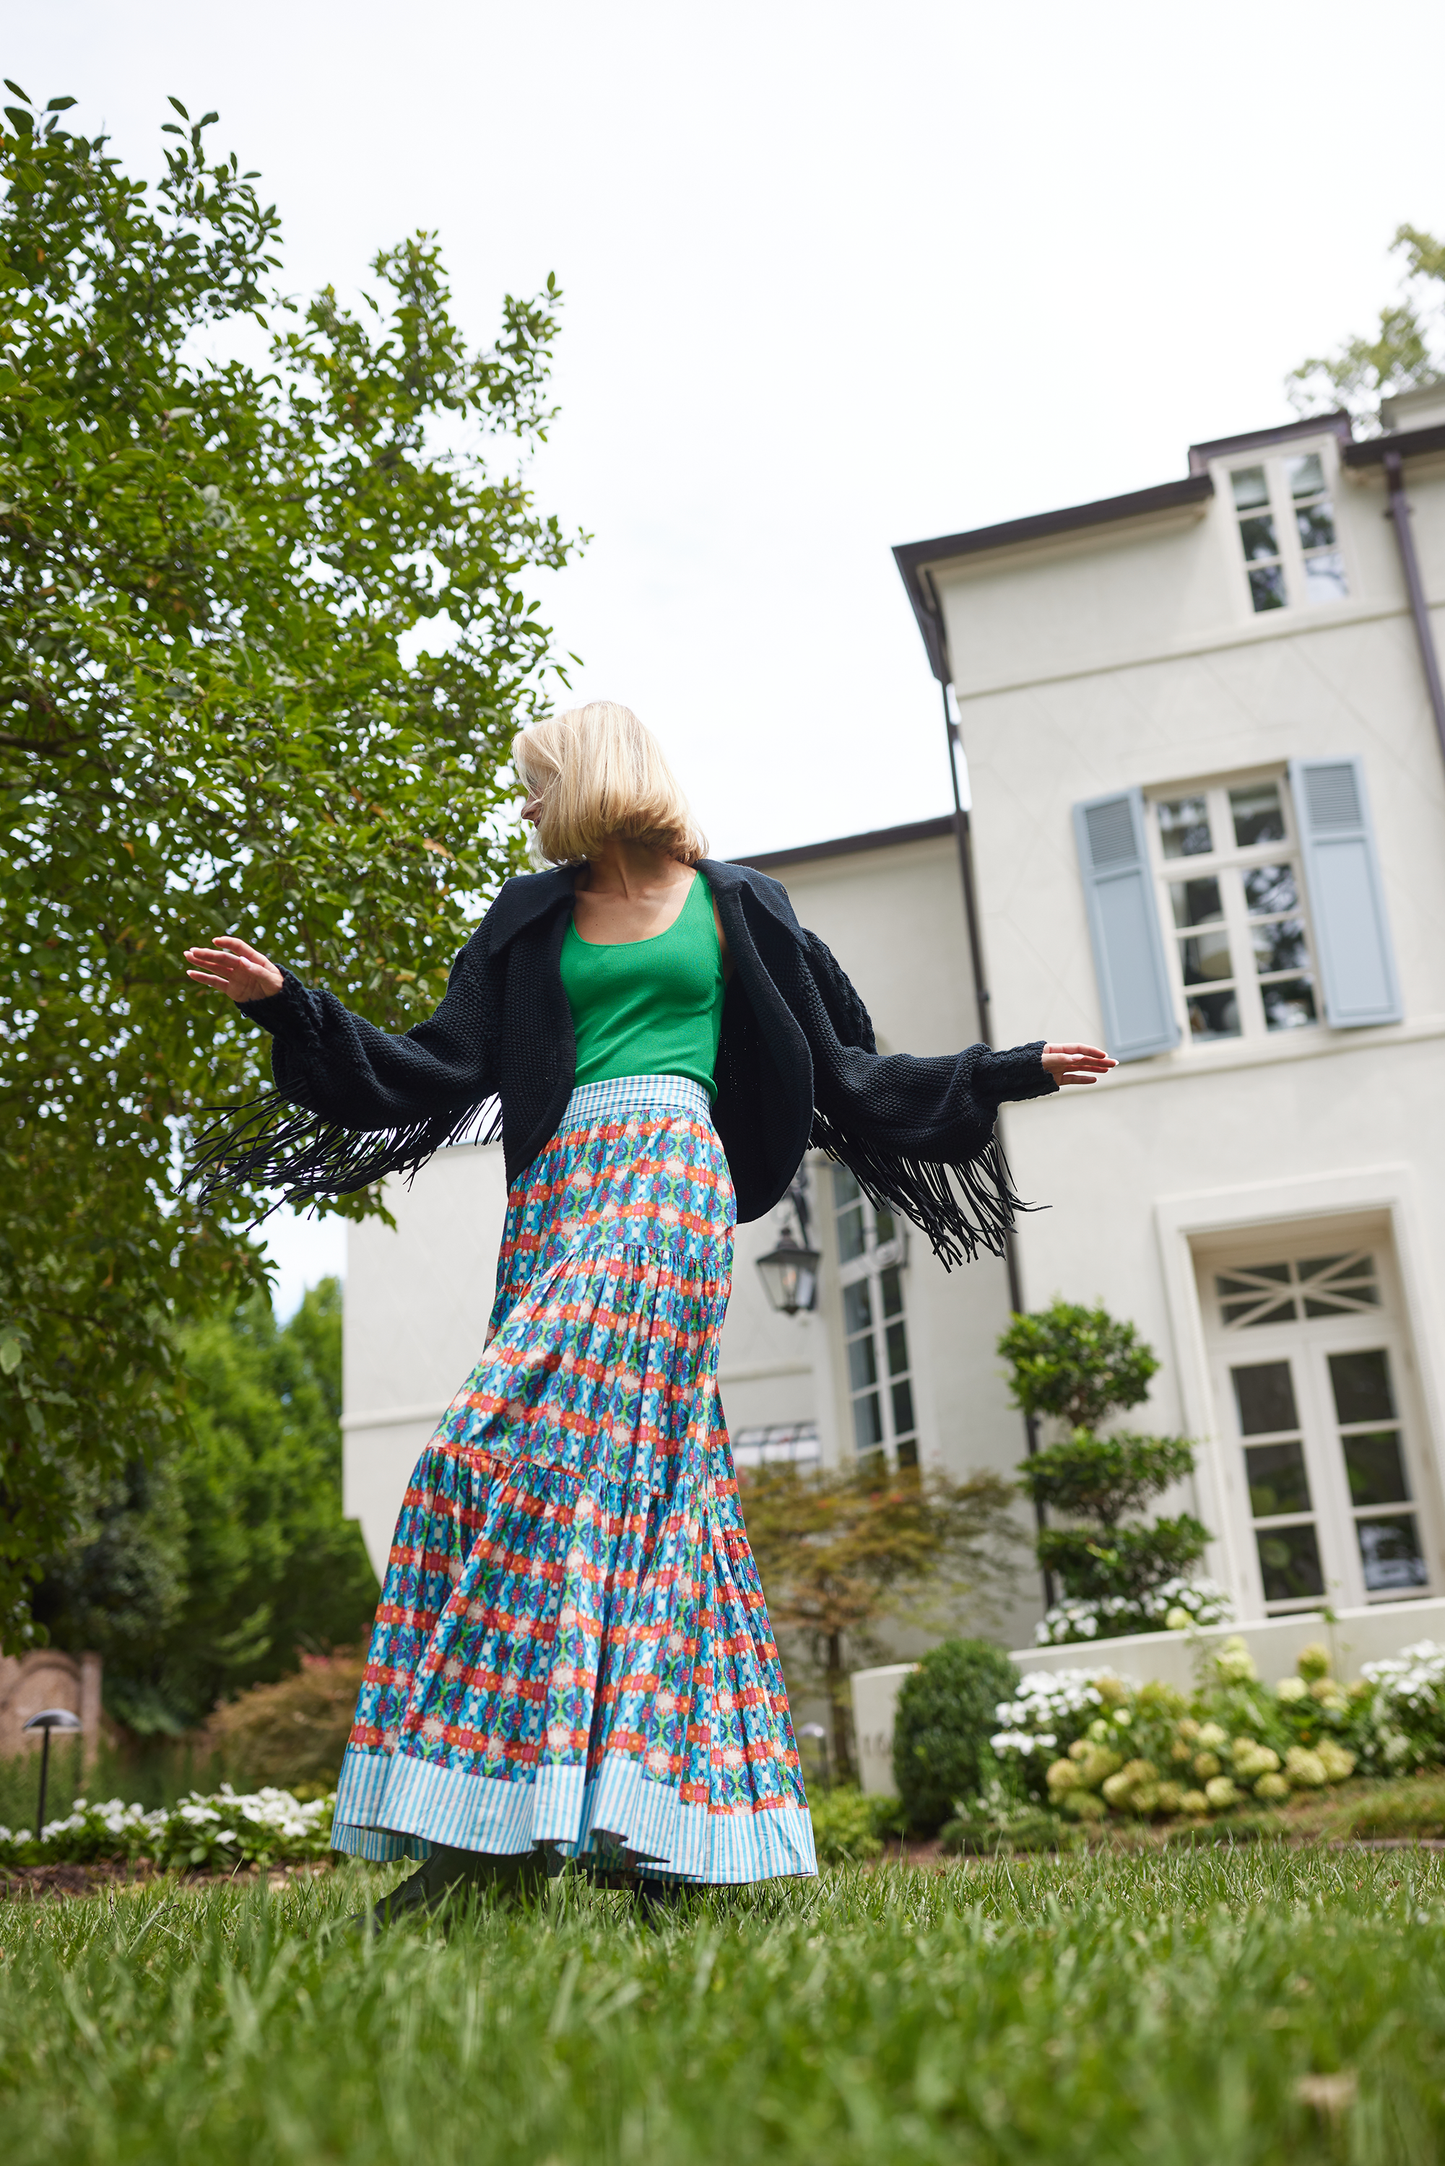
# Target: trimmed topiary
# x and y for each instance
(946, 1714)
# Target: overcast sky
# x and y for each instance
(836, 277)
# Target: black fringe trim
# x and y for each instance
(922, 1190)
(268, 1142)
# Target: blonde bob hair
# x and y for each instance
(598, 773)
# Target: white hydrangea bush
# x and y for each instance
(1406, 1724)
(200, 1834)
(1180, 1605)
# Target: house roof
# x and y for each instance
(915, 559)
(877, 838)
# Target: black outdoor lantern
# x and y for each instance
(790, 1271)
(49, 1718)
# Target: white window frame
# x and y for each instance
(1306, 1346)
(1228, 866)
(1275, 460)
(876, 1258)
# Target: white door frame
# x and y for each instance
(1181, 1220)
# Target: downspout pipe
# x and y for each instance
(963, 835)
(1399, 513)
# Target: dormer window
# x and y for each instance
(1286, 522)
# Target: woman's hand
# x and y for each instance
(1077, 1063)
(231, 967)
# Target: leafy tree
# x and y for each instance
(213, 576)
(1077, 1366)
(1406, 350)
(838, 1552)
(217, 1565)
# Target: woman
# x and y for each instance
(571, 1655)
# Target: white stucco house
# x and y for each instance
(1205, 739)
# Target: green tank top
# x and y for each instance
(648, 1007)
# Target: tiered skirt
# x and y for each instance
(572, 1646)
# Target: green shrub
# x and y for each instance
(1026, 1827)
(946, 1713)
(293, 1732)
(844, 1825)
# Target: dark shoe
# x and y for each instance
(449, 1876)
(657, 1902)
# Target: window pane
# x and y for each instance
(1196, 902)
(1250, 487)
(898, 1357)
(1306, 475)
(867, 1422)
(850, 1234)
(1258, 814)
(1288, 1003)
(1205, 958)
(845, 1188)
(1277, 1274)
(1184, 828)
(862, 1363)
(1277, 1480)
(1270, 888)
(1258, 538)
(1289, 1562)
(1376, 1467)
(1311, 1266)
(902, 1409)
(1361, 1385)
(1390, 1553)
(890, 1288)
(1213, 1015)
(908, 1452)
(1283, 1313)
(1266, 588)
(1325, 579)
(1265, 1397)
(1280, 946)
(1316, 523)
(883, 1226)
(857, 1309)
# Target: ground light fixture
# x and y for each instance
(49, 1718)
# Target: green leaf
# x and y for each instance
(12, 1353)
(56, 105)
(21, 121)
(22, 94)
(179, 108)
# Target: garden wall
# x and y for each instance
(48, 1678)
(1353, 1636)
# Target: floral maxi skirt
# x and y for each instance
(571, 1645)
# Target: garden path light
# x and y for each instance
(49, 1718)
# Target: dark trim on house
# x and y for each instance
(1401, 443)
(1336, 424)
(914, 558)
(878, 838)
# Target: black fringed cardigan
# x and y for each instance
(797, 1066)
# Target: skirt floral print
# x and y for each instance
(571, 1645)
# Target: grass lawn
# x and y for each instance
(1210, 2005)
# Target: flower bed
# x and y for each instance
(1174, 1607)
(201, 1834)
(1091, 1744)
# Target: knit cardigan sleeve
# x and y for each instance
(353, 1102)
(918, 1132)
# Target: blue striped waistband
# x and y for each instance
(623, 1095)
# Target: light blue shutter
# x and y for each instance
(1346, 895)
(1124, 925)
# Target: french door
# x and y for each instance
(1314, 1393)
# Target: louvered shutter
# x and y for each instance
(1346, 895)
(1124, 926)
